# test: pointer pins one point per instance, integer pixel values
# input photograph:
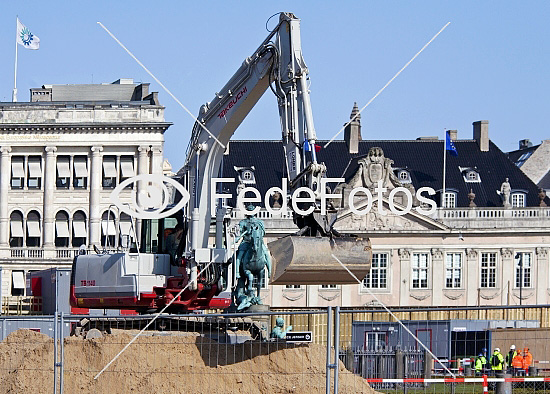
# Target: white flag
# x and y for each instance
(26, 38)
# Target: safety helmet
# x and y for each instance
(513, 347)
(484, 350)
(480, 355)
(497, 349)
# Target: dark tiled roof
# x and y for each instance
(424, 160)
(516, 154)
(545, 181)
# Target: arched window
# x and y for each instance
(108, 229)
(62, 229)
(125, 229)
(16, 229)
(33, 229)
(79, 229)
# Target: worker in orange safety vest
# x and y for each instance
(517, 365)
(527, 360)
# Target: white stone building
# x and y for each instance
(487, 245)
(61, 155)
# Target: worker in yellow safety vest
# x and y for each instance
(480, 364)
(497, 361)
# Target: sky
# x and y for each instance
(491, 63)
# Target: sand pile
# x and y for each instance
(167, 364)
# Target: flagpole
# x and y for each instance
(14, 95)
(444, 168)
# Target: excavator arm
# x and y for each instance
(277, 64)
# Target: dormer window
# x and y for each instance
(248, 176)
(518, 200)
(450, 200)
(470, 175)
(403, 175)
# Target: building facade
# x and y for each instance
(486, 243)
(61, 156)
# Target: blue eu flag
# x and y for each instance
(449, 145)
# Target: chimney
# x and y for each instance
(352, 132)
(481, 134)
(453, 134)
(524, 144)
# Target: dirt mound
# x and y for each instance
(167, 364)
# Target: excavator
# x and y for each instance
(147, 280)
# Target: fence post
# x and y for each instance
(329, 326)
(62, 362)
(428, 361)
(55, 333)
(336, 347)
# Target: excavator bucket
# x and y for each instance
(298, 260)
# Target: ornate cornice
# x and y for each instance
(541, 252)
(437, 253)
(506, 253)
(60, 128)
(404, 253)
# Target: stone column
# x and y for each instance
(471, 276)
(508, 275)
(5, 173)
(404, 280)
(156, 159)
(438, 277)
(541, 275)
(142, 168)
(48, 215)
(94, 226)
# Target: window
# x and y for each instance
(488, 270)
(404, 175)
(16, 229)
(34, 180)
(17, 172)
(523, 269)
(62, 229)
(80, 172)
(329, 286)
(450, 200)
(125, 228)
(63, 172)
(127, 168)
(109, 172)
(33, 229)
(79, 229)
(293, 286)
(518, 200)
(108, 229)
(17, 283)
(453, 270)
(247, 175)
(377, 278)
(420, 271)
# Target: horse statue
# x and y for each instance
(252, 258)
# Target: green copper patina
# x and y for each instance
(252, 258)
(278, 332)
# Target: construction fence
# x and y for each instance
(331, 350)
